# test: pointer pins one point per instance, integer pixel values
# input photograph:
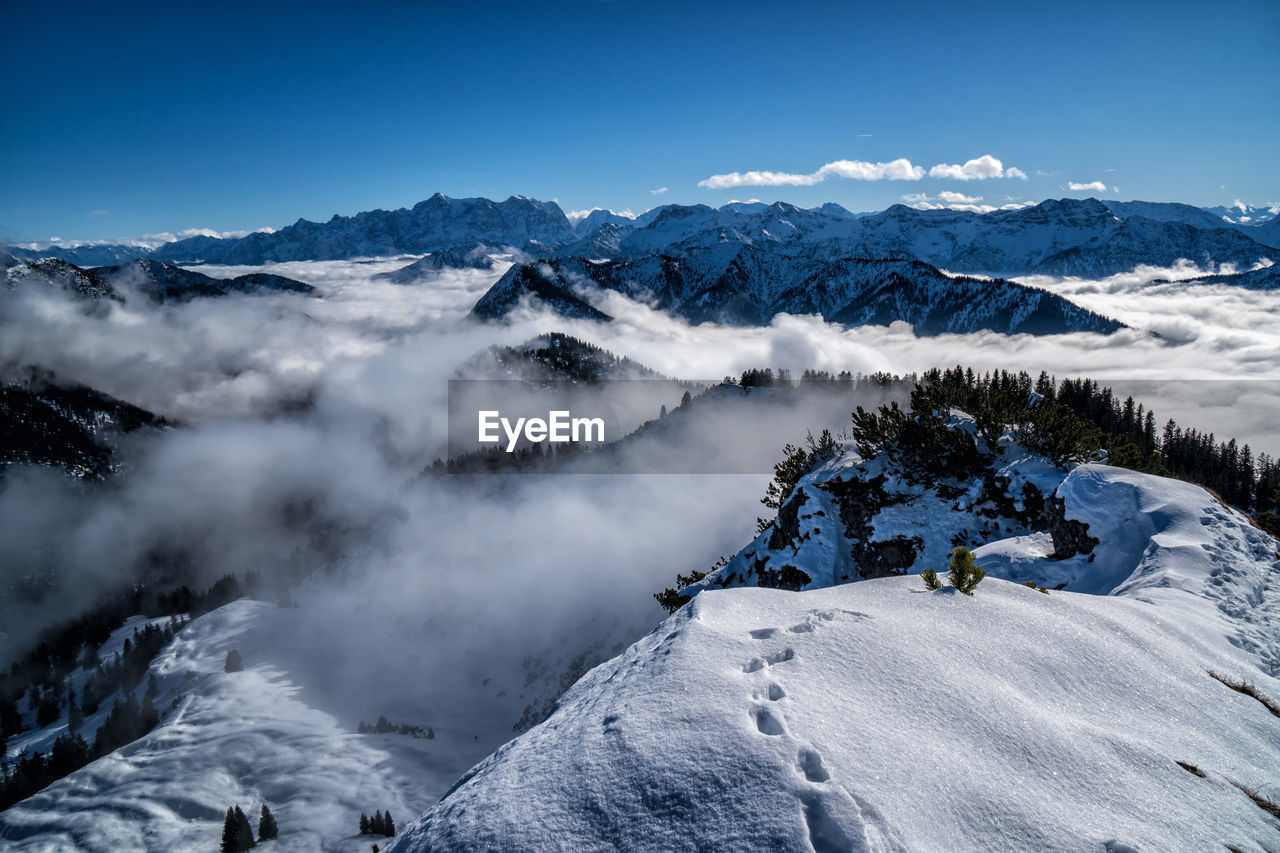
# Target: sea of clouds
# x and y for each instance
(305, 426)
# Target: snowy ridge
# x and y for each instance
(880, 716)
(744, 285)
(438, 223)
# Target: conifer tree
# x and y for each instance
(375, 823)
(965, 574)
(244, 832)
(388, 825)
(75, 716)
(267, 829)
(237, 834)
(229, 844)
(233, 663)
(930, 578)
(364, 824)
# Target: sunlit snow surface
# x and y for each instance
(881, 716)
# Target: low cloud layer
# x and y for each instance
(980, 168)
(1091, 186)
(947, 200)
(307, 424)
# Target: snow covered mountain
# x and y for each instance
(1244, 214)
(746, 285)
(46, 422)
(87, 254)
(879, 715)
(438, 223)
(1061, 237)
(1263, 278)
(161, 282)
(149, 278)
(455, 258)
(51, 272)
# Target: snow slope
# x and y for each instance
(881, 716)
(224, 738)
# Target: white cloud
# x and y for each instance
(658, 191)
(948, 200)
(576, 216)
(901, 169)
(858, 170)
(978, 169)
(1092, 186)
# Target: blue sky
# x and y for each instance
(128, 119)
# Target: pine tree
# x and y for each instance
(375, 823)
(229, 844)
(244, 832)
(233, 663)
(75, 716)
(364, 824)
(965, 574)
(930, 578)
(388, 825)
(267, 829)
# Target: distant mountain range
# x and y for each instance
(1059, 237)
(744, 285)
(155, 280)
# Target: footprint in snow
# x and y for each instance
(757, 664)
(768, 723)
(810, 764)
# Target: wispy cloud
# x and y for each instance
(658, 191)
(901, 169)
(1092, 186)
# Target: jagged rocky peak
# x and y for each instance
(439, 222)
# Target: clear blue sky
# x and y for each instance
(123, 119)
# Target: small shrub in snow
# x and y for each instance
(930, 578)
(233, 663)
(965, 573)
